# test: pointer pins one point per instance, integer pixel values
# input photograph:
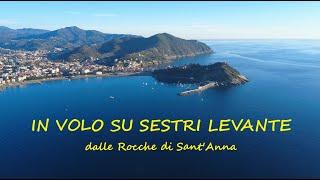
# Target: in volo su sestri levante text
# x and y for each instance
(163, 125)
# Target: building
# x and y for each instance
(85, 71)
(21, 78)
(98, 73)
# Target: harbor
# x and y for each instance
(199, 89)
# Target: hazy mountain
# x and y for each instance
(65, 38)
(8, 33)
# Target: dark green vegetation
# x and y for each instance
(220, 72)
(160, 47)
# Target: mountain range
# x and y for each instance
(65, 38)
(75, 44)
(159, 47)
(7, 34)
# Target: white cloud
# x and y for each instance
(7, 22)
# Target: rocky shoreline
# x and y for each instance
(219, 74)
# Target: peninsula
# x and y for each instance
(219, 74)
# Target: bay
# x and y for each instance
(284, 83)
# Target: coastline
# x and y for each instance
(39, 81)
(115, 74)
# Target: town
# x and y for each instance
(19, 66)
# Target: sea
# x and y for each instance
(284, 82)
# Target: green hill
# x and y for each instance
(158, 48)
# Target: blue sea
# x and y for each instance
(284, 83)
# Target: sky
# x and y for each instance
(190, 20)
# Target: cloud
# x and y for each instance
(104, 15)
(7, 22)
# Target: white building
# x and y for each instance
(86, 71)
(98, 73)
(21, 78)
